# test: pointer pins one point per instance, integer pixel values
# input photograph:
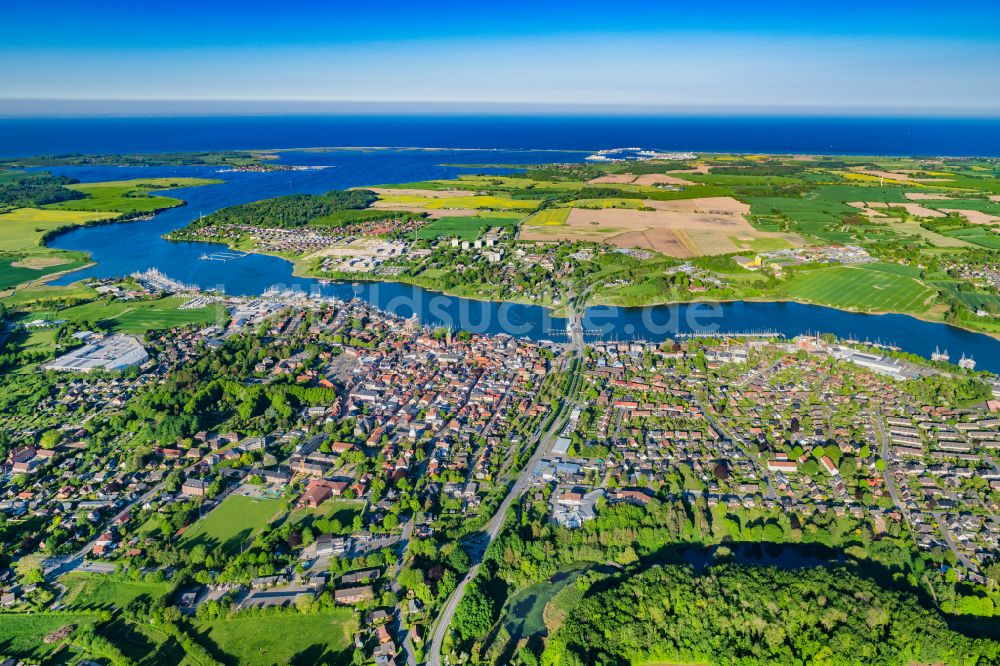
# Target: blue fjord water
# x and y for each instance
(831, 135)
(122, 248)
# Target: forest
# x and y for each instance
(292, 211)
(28, 190)
(733, 614)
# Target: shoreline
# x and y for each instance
(299, 271)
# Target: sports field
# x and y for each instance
(868, 288)
(291, 638)
(231, 523)
(135, 316)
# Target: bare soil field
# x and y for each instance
(911, 208)
(974, 216)
(682, 229)
(863, 207)
(698, 168)
(704, 205)
(660, 179)
(926, 196)
(612, 179)
(38, 263)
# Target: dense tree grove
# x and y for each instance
(292, 211)
(35, 189)
(732, 614)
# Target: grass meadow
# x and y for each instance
(291, 638)
(128, 196)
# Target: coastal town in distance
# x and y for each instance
(457, 434)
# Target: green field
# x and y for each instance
(21, 635)
(289, 638)
(464, 228)
(762, 244)
(134, 316)
(980, 236)
(92, 591)
(129, 196)
(231, 523)
(878, 287)
(23, 229)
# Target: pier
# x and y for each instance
(223, 256)
(734, 334)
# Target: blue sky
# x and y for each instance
(891, 57)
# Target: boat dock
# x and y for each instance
(224, 256)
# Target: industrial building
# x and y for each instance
(102, 352)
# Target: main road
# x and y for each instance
(521, 484)
(890, 482)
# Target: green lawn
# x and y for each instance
(22, 636)
(129, 196)
(289, 638)
(465, 228)
(231, 523)
(873, 288)
(92, 591)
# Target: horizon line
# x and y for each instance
(37, 108)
